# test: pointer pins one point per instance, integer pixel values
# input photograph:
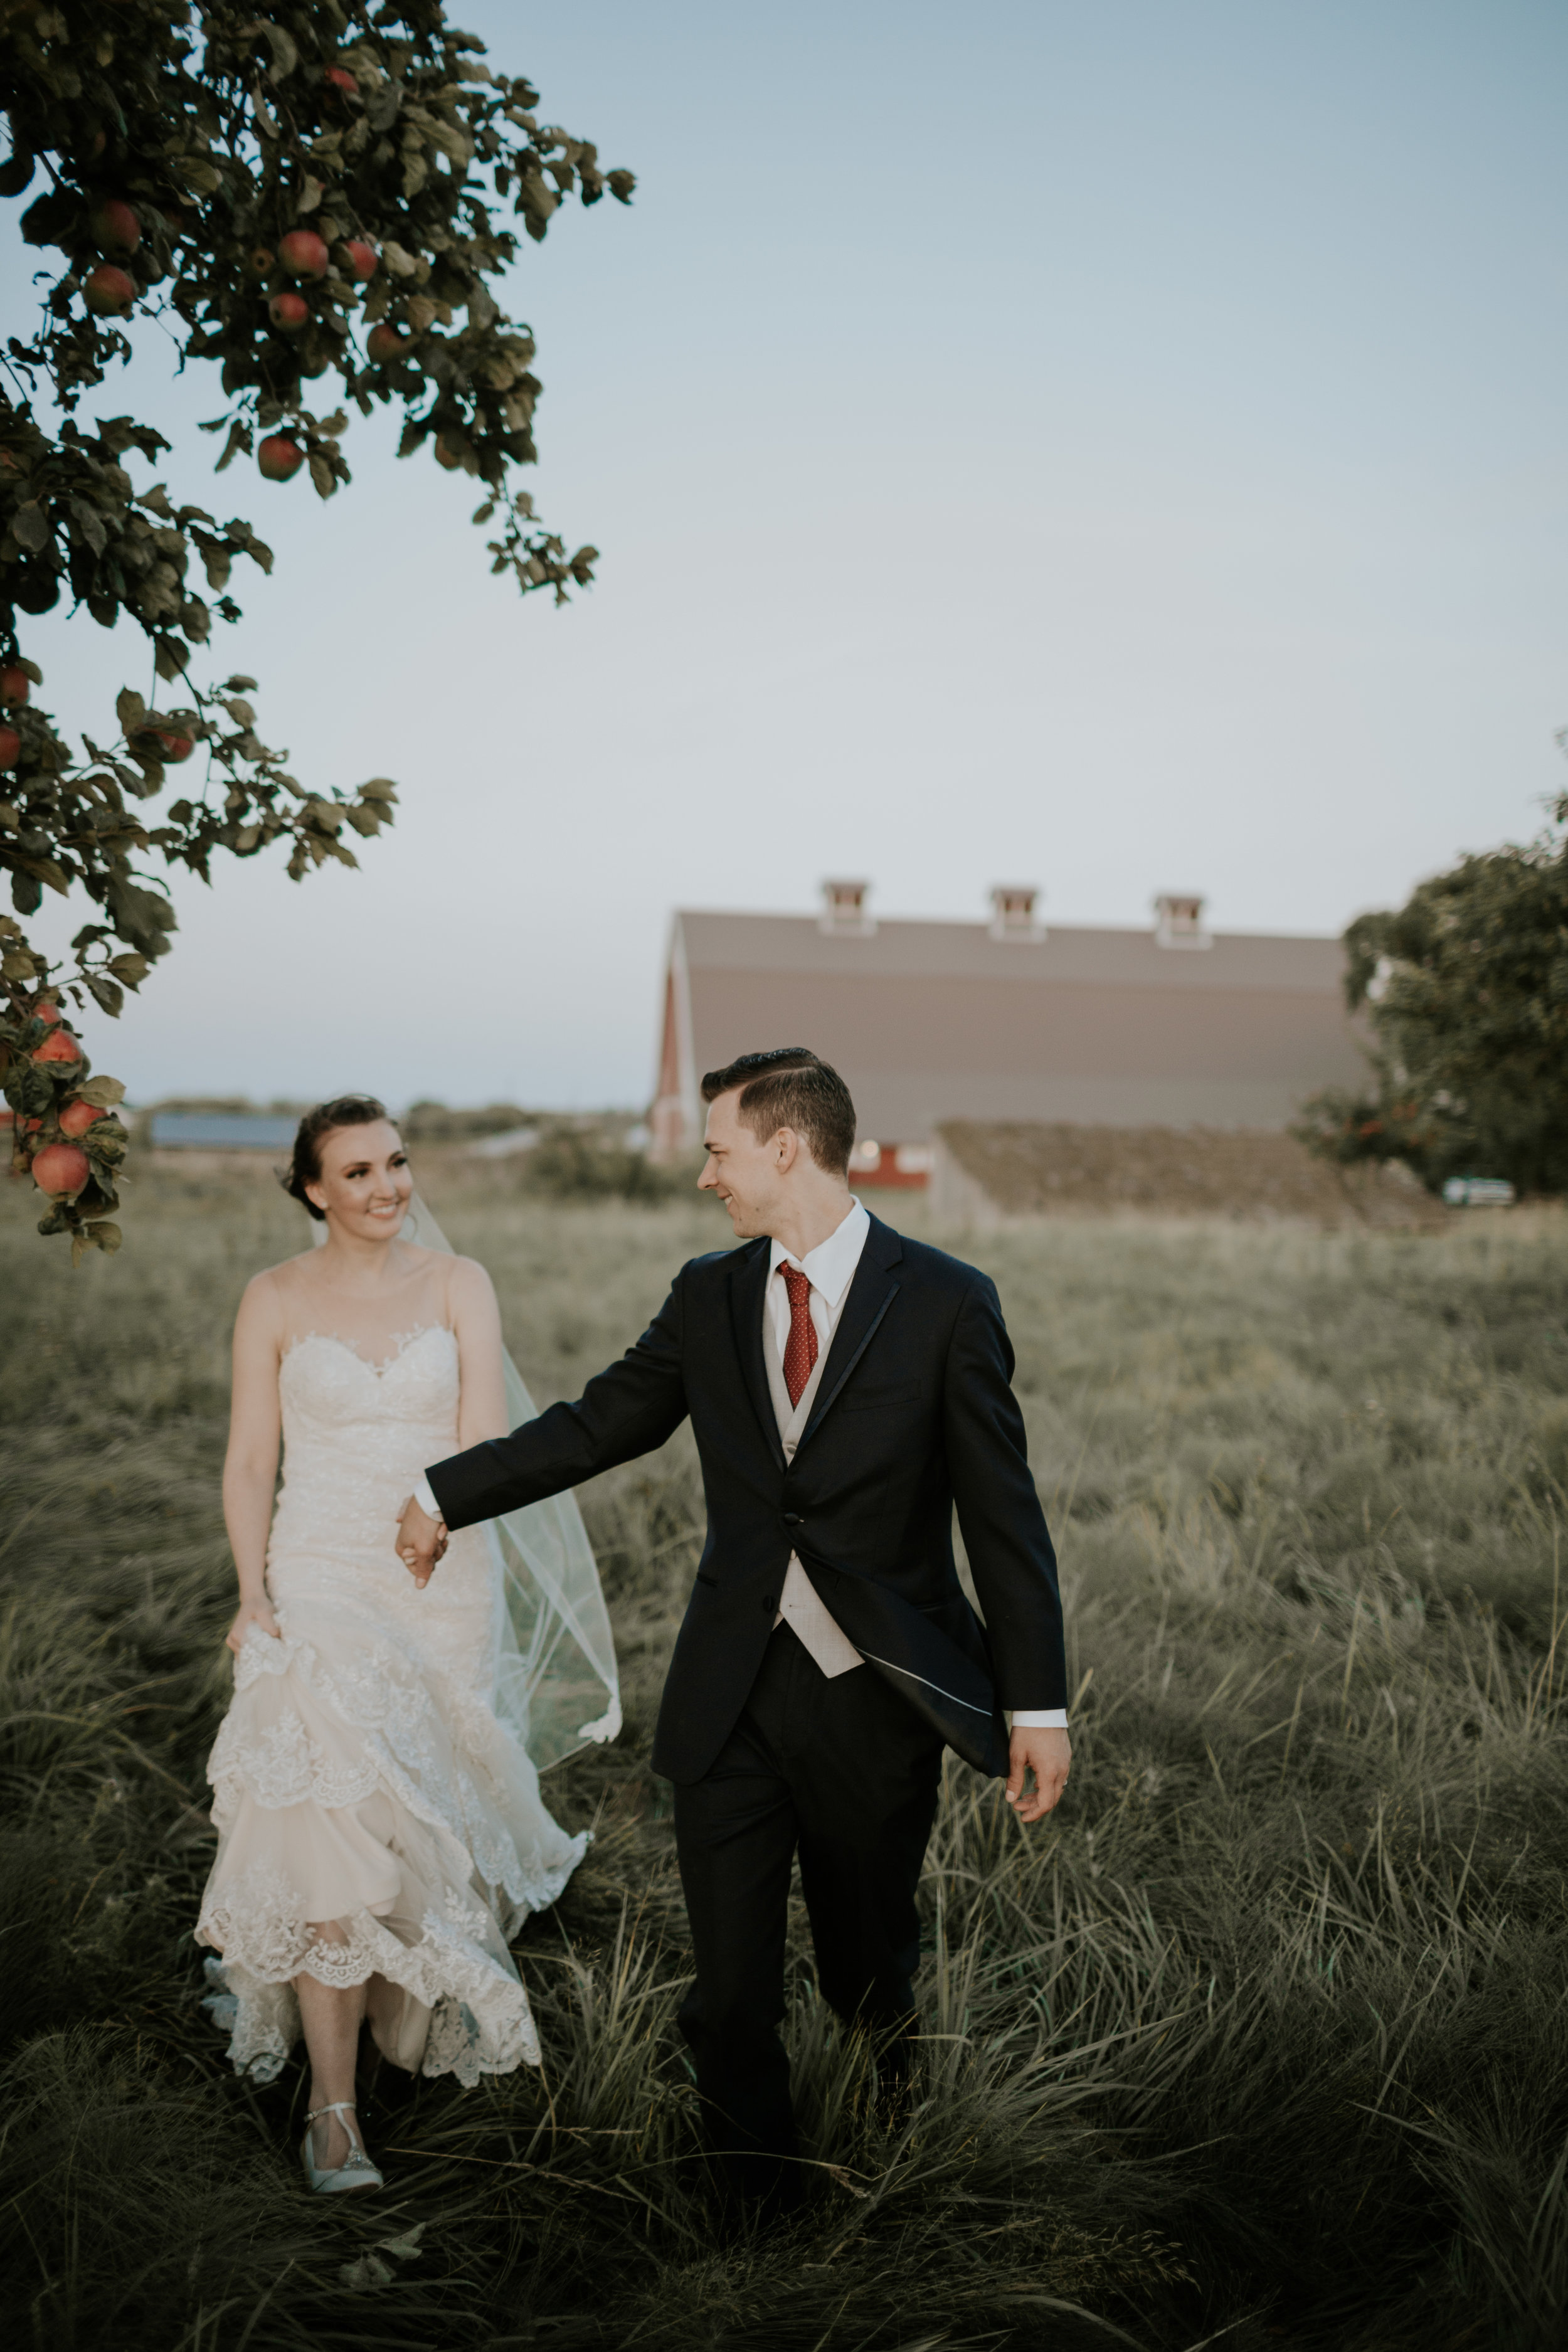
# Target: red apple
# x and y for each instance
(16, 685)
(363, 259)
(338, 77)
(387, 342)
(279, 457)
(60, 1169)
(107, 292)
(165, 743)
(259, 261)
(445, 454)
(115, 227)
(288, 313)
(60, 1045)
(79, 1116)
(47, 1010)
(303, 254)
(10, 747)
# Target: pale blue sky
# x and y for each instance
(1115, 446)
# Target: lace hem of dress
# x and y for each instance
(406, 1746)
(480, 2022)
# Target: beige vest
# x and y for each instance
(799, 1606)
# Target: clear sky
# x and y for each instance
(1115, 446)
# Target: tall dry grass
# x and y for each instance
(1263, 2038)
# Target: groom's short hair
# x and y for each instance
(788, 1086)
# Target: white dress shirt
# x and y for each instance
(830, 1269)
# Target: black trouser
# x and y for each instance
(845, 1770)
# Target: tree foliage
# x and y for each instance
(321, 192)
(1467, 991)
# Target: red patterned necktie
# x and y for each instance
(800, 1348)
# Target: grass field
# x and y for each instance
(1262, 2040)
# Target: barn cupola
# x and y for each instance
(843, 909)
(1012, 913)
(1179, 921)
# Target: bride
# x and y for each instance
(381, 1828)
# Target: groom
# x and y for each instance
(847, 1389)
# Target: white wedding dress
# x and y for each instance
(362, 1776)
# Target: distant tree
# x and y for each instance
(319, 191)
(1466, 992)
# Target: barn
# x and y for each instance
(1006, 1019)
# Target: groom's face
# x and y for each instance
(746, 1171)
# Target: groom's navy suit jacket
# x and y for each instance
(914, 1414)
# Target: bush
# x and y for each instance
(1467, 991)
(577, 1165)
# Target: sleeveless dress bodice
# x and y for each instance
(362, 1779)
(355, 1438)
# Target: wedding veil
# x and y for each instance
(556, 1686)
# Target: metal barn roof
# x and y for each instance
(930, 1020)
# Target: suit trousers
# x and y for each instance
(843, 1769)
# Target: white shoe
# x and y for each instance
(356, 2171)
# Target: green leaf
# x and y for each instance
(102, 1093)
(239, 443)
(285, 56)
(29, 528)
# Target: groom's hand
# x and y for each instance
(1048, 1756)
(421, 1542)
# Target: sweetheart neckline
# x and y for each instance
(376, 1372)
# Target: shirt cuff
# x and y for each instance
(1039, 1718)
(428, 1503)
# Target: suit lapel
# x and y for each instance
(747, 1291)
(871, 1293)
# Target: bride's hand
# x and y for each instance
(421, 1542)
(251, 1612)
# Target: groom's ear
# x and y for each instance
(787, 1148)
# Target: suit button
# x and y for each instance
(769, 1602)
(794, 1519)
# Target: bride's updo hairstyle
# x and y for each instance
(305, 1168)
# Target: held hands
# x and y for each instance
(252, 1612)
(1048, 1756)
(421, 1542)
